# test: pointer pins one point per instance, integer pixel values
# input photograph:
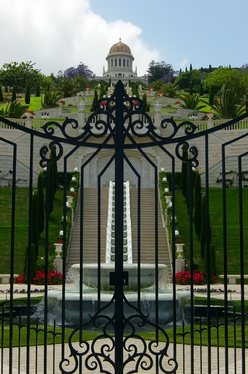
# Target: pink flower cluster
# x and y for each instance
(53, 277)
(184, 277)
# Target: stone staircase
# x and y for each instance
(90, 236)
(147, 233)
(90, 229)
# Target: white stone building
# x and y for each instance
(120, 65)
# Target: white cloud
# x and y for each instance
(183, 63)
(59, 34)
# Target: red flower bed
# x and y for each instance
(184, 277)
(53, 277)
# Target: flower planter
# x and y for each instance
(58, 249)
(179, 249)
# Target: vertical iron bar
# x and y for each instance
(225, 254)
(241, 254)
(64, 259)
(99, 242)
(191, 255)
(156, 260)
(31, 152)
(119, 178)
(218, 342)
(2, 338)
(81, 253)
(139, 236)
(12, 257)
(235, 338)
(208, 251)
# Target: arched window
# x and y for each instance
(115, 61)
(124, 62)
(119, 61)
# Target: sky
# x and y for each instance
(58, 34)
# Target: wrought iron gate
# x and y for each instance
(127, 314)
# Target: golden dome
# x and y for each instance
(120, 48)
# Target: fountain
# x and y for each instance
(90, 295)
(89, 286)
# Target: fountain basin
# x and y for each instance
(90, 275)
(89, 300)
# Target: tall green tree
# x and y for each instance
(13, 96)
(230, 78)
(27, 94)
(32, 249)
(1, 94)
(197, 203)
(40, 186)
(205, 236)
(37, 91)
(18, 74)
(184, 170)
(51, 182)
(158, 70)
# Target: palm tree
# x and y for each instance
(229, 103)
(191, 101)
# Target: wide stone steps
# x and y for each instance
(90, 229)
(147, 233)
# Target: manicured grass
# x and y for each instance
(21, 228)
(183, 335)
(217, 233)
(35, 103)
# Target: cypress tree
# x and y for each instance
(32, 249)
(211, 95)
(197, 204)
(1, 94)
(205, 236)
(13, 97)
(94, 102)
(51, 178)
(35, 231)
(30, 263)
(40, 186)
(184, 171)
(144, 102)
(27, 94)
(37, 92)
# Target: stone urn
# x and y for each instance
(58, 249)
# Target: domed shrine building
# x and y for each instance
(120, 65)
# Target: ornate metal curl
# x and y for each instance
(94, 355)
(69, 123)
(139, 356)
(191, 149)
(44, 152)
(142, 356)
(136, 122)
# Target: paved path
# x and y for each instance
(54, 354)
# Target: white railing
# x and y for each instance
(110, 229)
(37, 123)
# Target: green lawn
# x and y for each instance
(183, 335)
(216, 218)
(21, 228)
